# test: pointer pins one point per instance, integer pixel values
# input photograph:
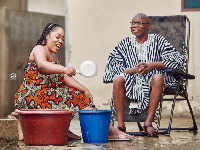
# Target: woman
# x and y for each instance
(49, 85)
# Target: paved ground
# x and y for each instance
(176, 140)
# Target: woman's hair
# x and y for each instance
(47, 29)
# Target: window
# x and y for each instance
(190, 5)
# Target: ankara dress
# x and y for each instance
(129, 53)
(47, 91)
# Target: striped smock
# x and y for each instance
(129, 53)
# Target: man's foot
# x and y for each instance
(149, 130)
(122, 129)
(116, 134)
(72, 136)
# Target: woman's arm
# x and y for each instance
(41, 56)
(71, 82)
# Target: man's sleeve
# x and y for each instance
(115, 65)
(171, 58)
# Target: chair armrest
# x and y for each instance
(177, 72)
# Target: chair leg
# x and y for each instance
(191, 112)
(138, 133)
(167, 131)
(112, 118)
(139, 126)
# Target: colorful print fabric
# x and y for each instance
(47, 91)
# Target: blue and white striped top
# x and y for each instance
(129, 53)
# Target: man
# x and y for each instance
(136, 67)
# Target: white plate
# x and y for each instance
(88, 69)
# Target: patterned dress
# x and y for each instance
(129, 53)
(47, 91)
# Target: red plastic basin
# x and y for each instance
(45, 126)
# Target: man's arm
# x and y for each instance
(143, 68)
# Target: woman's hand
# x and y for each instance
(88, 95)
(70, 71)
(71, 82)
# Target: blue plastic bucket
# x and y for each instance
(95, 125)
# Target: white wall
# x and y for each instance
(94, 27)
(55, 7)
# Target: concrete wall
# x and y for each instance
(19, 32)
(14, 4)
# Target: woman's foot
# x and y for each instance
(116, 134)
(72, 136)
(149, 130)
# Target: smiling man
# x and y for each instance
(135, 67)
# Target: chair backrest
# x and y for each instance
(173, 28)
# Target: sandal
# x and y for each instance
(122, 138)
(121, 129)
(150, 133)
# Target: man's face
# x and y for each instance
(140, 26)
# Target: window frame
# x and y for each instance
(188, 9)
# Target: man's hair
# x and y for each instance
(142, 15)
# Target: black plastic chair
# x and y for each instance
(176, 29)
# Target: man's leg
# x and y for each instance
(155, 95)
(118, 96)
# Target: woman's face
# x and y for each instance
(55, 39)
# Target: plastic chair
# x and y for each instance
(176, 29)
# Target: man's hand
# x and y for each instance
(144, 68)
